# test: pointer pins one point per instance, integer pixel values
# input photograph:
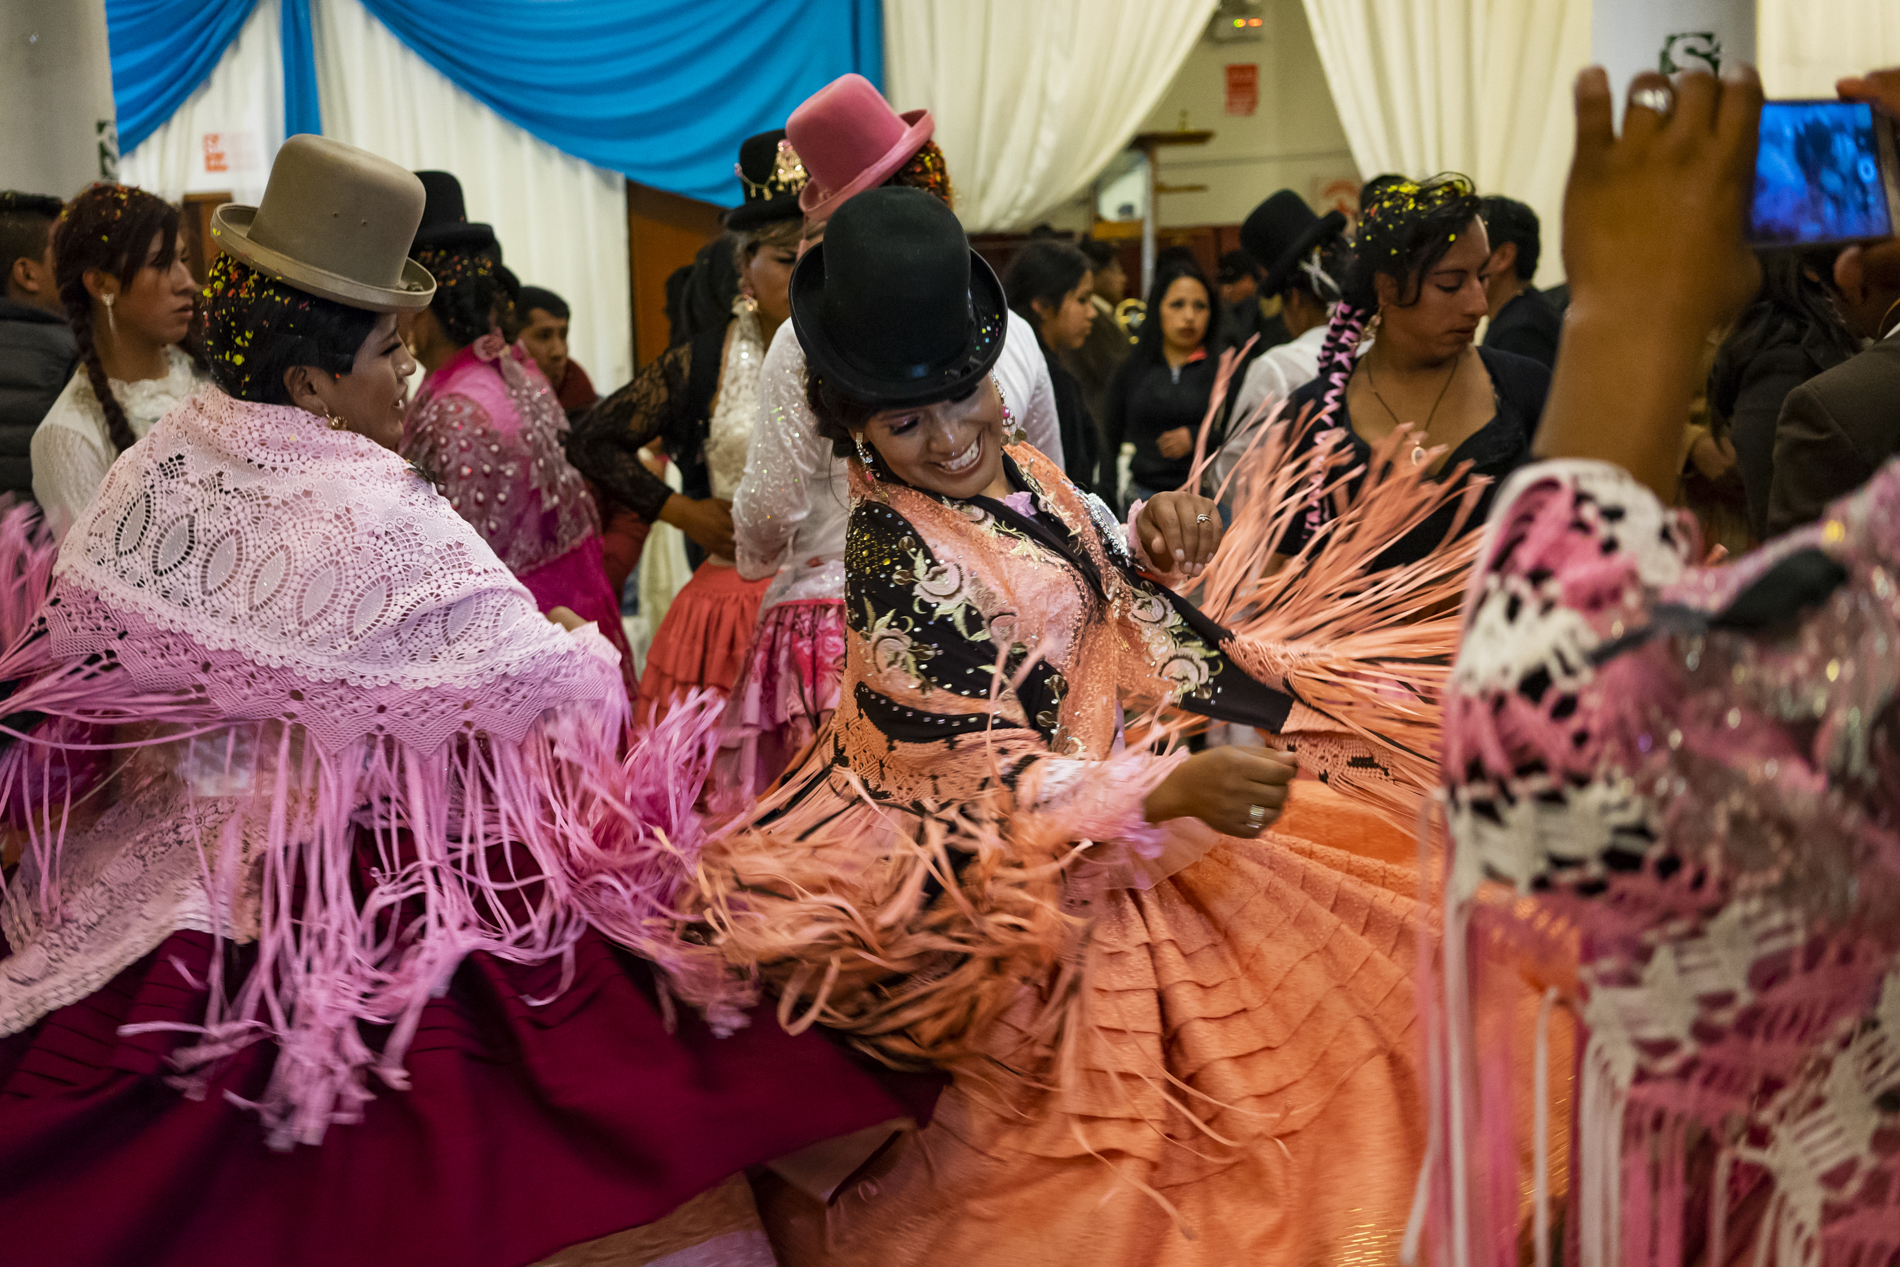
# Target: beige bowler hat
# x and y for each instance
(336, 221)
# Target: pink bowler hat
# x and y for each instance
(851, 140)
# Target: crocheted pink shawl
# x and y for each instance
(1687, 777)
(314, 678)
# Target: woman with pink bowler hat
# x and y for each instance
(487, 426)
(790, 510)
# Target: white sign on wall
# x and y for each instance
(1628, 36)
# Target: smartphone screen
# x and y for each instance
(1821, 174)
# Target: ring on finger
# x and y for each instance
(1660, 99)
(1256, 816)
(1200, 519)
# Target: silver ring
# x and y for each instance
(1256, 816)
(1200, 519)
(1661, 100)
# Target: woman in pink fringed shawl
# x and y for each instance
(325, 832)
(1672, 786)
(489, 430)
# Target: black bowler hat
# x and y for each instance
(772, 177)
(893, 307)
(445, 219)
(1281, 231)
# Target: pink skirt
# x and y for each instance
(577, 581)
(785, 696)
(703, 640)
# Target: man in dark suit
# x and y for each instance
(1521, 320)
(1839, 427)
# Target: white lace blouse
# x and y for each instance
(72, 450)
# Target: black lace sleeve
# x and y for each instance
(605, 444)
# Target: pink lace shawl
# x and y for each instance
(488, 429)
(310, 655)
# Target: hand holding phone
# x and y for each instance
(1825, 172)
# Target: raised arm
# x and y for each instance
(605, 444)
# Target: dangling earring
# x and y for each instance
(864, 454)
(1012, 433)
(111, 322)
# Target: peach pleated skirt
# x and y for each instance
(1243, 1089)
(703, 640)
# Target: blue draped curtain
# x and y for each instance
(661, 90)
(161, 51)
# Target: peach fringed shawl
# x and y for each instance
(1226, 1023)
(266, 647)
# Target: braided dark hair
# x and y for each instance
(109, 228)
(256, 328)
(471, 293)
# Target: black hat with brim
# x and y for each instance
(771, 177)
(445, 218)
(1280, 232)
(893, 308)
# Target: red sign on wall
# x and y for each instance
(1243, 88)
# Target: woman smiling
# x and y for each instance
(1115, 951)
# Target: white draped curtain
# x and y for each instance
(562, 221)
(1032, 98)
(1476, 86)
(1805, 47)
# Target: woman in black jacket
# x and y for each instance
(1161, 392)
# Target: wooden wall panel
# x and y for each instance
(664, 231)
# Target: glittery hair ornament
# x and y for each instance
(772, 175)
(256, 326)
(1404, 226)
(1395, 210)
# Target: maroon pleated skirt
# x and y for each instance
(526, 1128)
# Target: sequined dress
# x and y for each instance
(488, 429)
(788, 520)
(1685, 779)
(1168, 1046)
(700, 400)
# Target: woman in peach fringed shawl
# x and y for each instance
(1174, 993)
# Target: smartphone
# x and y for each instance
(1825, 172)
